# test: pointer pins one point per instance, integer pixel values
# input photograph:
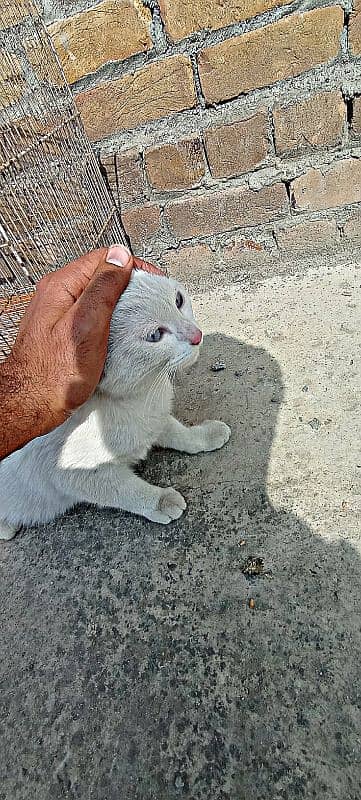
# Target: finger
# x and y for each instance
(93, 309)
(139, 263)
(81, 270)
(59, 290)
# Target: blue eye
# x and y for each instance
(155, 336)
(179, 300)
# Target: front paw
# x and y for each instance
(215, 434)
(170, 506)
(8, 532)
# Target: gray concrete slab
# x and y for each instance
(132, 667)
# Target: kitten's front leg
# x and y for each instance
(8, 532)
(118, 487)
(210, 435)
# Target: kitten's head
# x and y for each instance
(152, 328)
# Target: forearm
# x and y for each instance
(23, 412)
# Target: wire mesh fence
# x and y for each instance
(54, 204)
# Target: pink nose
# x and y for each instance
(196, 337)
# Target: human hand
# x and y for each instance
(60, 350)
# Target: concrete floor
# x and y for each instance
(132, 667)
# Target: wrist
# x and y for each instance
(25, 412)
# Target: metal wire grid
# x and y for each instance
(54, 204)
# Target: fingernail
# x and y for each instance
(118, 255)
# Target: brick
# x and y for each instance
(175, 166)
(217, 212)
(44, 69)
(355, 28)
(131, 184)
(27, 131)
(278, 51)
(9, 132)
(308, 236)
(12, 81)
(125, 176)
(245, 252)
(189, 262)
(339, 186)
(112, 31)
(237, 148)
(12, 13)
(315, 122)
(183, 18)
(142, 223)
(356, 119)
(151, 93)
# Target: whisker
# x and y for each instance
(158, 383)
(144, 377)
(157, 391)
(149, 395)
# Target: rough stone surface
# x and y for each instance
(222, 211)
(316, 122)
(182, 18)
(237, 148)
(356, 119)
(141, 223)
(337, 186)
(355, 28)
(111, 31)
(132, 667)
(160, 89)
(262, 57)
(308, 236)
(175, 166)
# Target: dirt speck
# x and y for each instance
(218, 366)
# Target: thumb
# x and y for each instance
(110, 279)
(93, 310)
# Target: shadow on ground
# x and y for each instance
(132, 666)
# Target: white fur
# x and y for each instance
(90, 457)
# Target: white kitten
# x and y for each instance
(90, 457)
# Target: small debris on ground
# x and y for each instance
(315, 423)
(242, 542)
(253, 565)
(218, 366)
(178, 782)
(251, 602)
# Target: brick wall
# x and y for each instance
(228, 133)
